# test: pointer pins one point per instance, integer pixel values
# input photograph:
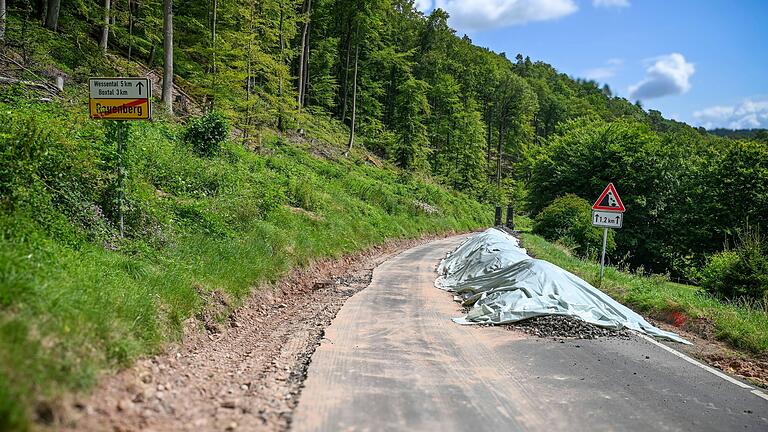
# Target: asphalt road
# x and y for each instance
(393, 360)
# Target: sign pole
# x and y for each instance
(121, 178)
(602, 257)
(607, 212)
(120, 98)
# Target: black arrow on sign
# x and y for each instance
(140, 85)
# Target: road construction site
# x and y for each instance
(435, 337)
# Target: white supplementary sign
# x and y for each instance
(119, 88)
(606, 219)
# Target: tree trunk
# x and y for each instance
(2, 20)
(280, 122)
(168, 55)
(354, 103)
(42, 6)
(130, 29)
(52, 15)
(305, 91)
(104, 42)
(346, 76)
(213, 33)
(488, 138)
(151, 55)
(498, 166)
(303, 54)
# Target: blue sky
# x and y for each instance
(704, 62)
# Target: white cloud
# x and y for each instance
(604, 72)
(423, 5)
(610, 3)
(749, 114)
(469, 15)
(667, 75)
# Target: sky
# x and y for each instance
(704, 62)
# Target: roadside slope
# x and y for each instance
(248, 374)
(75, 299)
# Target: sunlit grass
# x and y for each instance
(742, 324)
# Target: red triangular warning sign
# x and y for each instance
(609, 200)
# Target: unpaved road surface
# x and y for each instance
(243, 374)
(393, 360)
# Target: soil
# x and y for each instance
(242, 374)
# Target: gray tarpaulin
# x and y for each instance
(502, 284)
(480, 254)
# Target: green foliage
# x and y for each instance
(742, 325)
(741, 272)
(56, 179)
(588, 154)
(206, 133)
(568, 219)
(680, 189)
(429, 101)
(412, 145)
(75, 298)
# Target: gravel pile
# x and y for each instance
(561, 326)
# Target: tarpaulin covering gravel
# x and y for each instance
(495, 276)
(480, 254)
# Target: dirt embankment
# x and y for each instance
(243, 374)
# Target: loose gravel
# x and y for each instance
(561, 326)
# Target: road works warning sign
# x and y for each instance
(609, 200)
(120, 98)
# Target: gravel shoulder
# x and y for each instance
(243, 374)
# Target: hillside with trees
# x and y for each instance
(408, 88)
(309, 105)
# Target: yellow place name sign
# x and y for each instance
(120, 98)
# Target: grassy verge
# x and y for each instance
(76, 299)
(742, 326)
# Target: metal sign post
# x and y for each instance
(602, 257)
(120, 99)
(121, 171)
(607, 212)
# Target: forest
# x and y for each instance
(285, 131)
(409, 88)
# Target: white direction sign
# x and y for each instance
(119, 88)
(606, 219)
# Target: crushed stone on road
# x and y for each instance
(562, 326)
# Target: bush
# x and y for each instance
(206, 133)
(569, 220)
(741, 272)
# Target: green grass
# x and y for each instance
(743, 326)
(75, 299)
